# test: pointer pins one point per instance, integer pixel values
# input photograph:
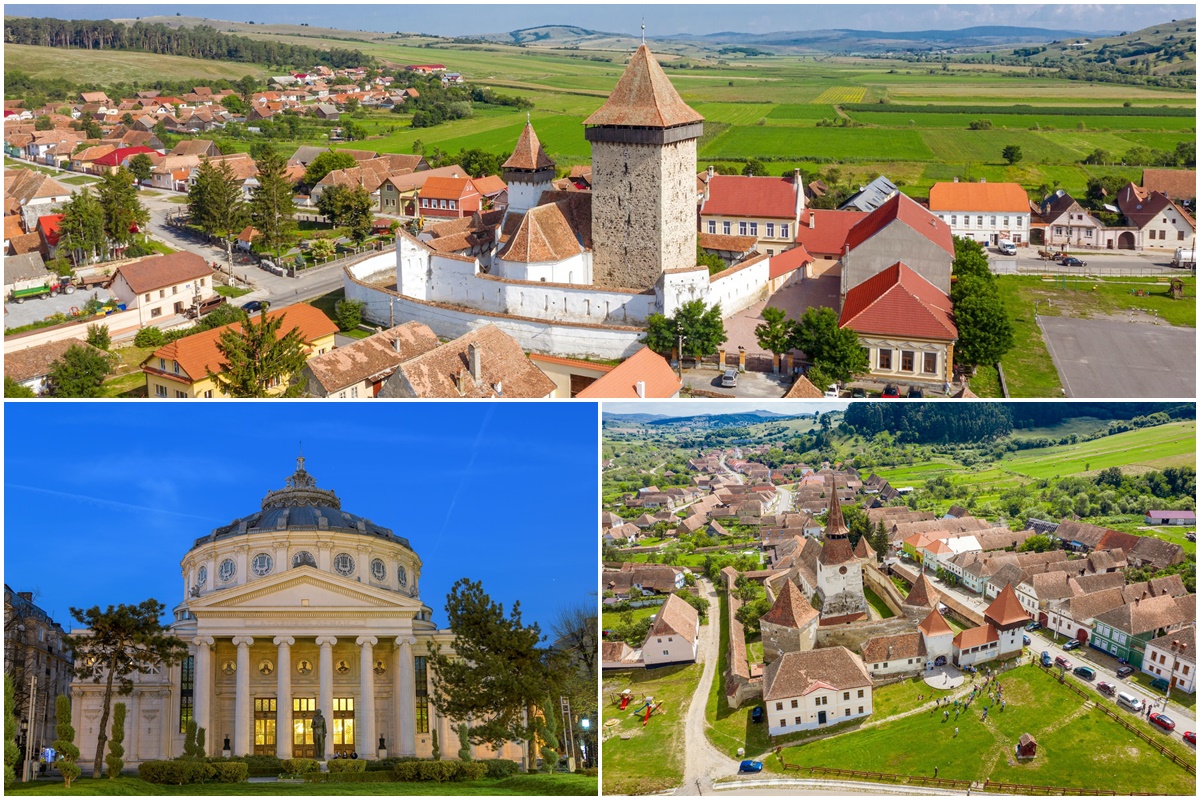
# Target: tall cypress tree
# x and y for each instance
(116, 744)
(272, 206)
(68, 753)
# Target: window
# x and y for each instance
(187, 683)
(147, 298)
(754, 229)
(1087, 232)
(1020, 221)
(227, 570)
(929, 366)
(726, 227)
(666, 652)
(994, 221)
(343, 564)
(741, 229)
(845, 695)
(160, 391)
(162, 293)
(847, 712)
(179, 394)
(354, 393)
(378, 569)
(422, 693)
(262, 563)
(783, 230)
(1058, 230)
(953, 219)
(156, 312)
(860, 693)
(202, 576)
(979, 222)
(1005, 221)
(175, 367)
(202, 281)
(795, 704)
(885, 664)
(174, 290)
(162, 363)
(907, 358)
(798, 720)
(712, 226)
(208, 393)
(402, 576)
(885, 359)
(303, 559)
(770, 252)
(860, 709)
(178, 308)
(770, 230)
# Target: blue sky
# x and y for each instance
(661, 19)
(102, 500)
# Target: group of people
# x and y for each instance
(990, 685)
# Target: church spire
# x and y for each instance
(835, 525)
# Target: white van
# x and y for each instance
(1129, 701)
(1007, 247)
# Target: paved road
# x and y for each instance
(1114, 358)
(34, 310)
(750, 384)
(1098, 264)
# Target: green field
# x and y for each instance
(610, 618)
(643, 759)
(1078, 747)
(112, 66)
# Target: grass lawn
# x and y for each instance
(516, 785)
(326, 302)
(730, 728)
(231, 291)
(157, 246)
(641, 760)
(1028, 368)
(876, 603)
(1178, 698)
(896, 698)
(78, 180)
(610, 618)
(357, 333)
(127, 379)
(1077, 747)
(111, 66)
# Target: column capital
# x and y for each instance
(243, 640)
(405, 640)
(326, 640)
(366, 640)
(282, 640)
(204, 641)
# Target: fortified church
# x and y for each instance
(298, 607)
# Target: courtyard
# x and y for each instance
(1116, 358)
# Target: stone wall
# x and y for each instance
(741, 286)
(852, 635)
(883, 587)
(740, 688)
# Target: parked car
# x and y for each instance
(1087, 673)
(1063, 662)
(916, 391)
(729, 379)
(890, 391)
(205, 306)
(1072, 644)
(1160, 684)
(1189, 737)
(1007, 247)
(1025, 640)
(1033, 626)
(757, 714)
(858, 391)
(1046, 660)
(1072, 261)
(1162, 721)
(1134, 704)
(1105, 688)
(750, 766)
(1124, 672)
(254, 305)
(832, 391)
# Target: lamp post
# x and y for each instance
(24, 748)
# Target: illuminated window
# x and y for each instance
(187, 682)
(421, 676)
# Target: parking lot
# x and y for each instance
(1113, 358)
(750, 384)
(37, 309)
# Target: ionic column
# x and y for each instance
(202, 688)
(283, 691)
(241, 703)
(405, 694)
(325, 694)
(366, 698)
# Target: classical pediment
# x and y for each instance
(303, 587)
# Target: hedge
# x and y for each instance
(263, 766)
(388, 764)
(347, 765)
(230, 772)
(300, 766)
(175, 773)
(440, 771)
(348, 777)
(501, 768)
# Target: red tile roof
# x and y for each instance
(823, 231)
(899, 302)
(644, 365)
(528, 154)
(935, 624)
(1006, 609)
(908, 211)
(115, 158)
(789, 261)
(644, 97)
(745, 196)
(158, 272)
(49, 226)
(440, 188)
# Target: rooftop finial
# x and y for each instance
(300, 459)
(527, 120)
(643, 30)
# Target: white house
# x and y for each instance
(984, 212)
(814, 688)
(163, 286)
(1171, 518)
(1173, 656)
(674, 636)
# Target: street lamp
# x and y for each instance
(24, 749)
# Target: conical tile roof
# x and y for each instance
(791, 609)
(1006, 609)
(935, 624)
(923, 594)
(528, 154)
(644, 97)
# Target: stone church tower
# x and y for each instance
(643, 178)
(839, 572)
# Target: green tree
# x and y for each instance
(1012, 153)
(64, 745)
(497, 673)
(43, 123)
(246, 86)
(12, 753)
(348, 207)
(711, 260)
(272, 205)
(437, 750)
(14, 389)
(116, 745)
(81, 232)
(140, 167)
(215, 200)
(326, 163)
(1104, 189)
(258, 358)
(201, 752)
(189, 740)
(120, 641)
(985, 332)
(700, 327)
(835, 351)
(348, 313)
(80, 372)
(124, 214)
(970, 261)
(774, 334)
(98, 336)
(549, 736)
(754, 167)
(1036, 544)
(89, 126)
(464, 742)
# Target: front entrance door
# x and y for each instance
(343, 725)
(820, 717)
(302, 732)
(264, 726)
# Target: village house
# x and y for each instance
(764, 208)
(360, 369)
(983, 212)
(675, 635)
(1173, 656)
(398, 192)
(643, 374)
(1000, 635)
(31, 366)
(900, 225)
(162, 286)
(814, 688)
(1065, 223)
(1171, 518)
(448, 198)
(1156, 219)
(871, 196)
(1125, 631)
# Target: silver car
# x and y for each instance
(729, 379)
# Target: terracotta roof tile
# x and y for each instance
(973, 637)
(677, 617)
(505, 371)
(158, 272)
(35, 362)
(726, 244)
(544, 235)
(803, 387)
(790, 609)
(1178, 184)
(644, 97)
(789, 261)
(923, 594)
(1006, 608)
(898, 302)
(489, 185)
(935, 624)
(746, 196)
(880, 649)
(823, 231)
(797, 674)
(374, 357)
(964, 196)
(644, 365)
(528, 153)
(908, 211)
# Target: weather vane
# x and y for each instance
(643, 30)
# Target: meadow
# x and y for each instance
(644, 759)
(112, 66)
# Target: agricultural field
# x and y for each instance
(111, 66)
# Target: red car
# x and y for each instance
(1190, 737)
(1162, 721)
(890, 391)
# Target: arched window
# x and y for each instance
(304, 559)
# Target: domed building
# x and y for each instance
(296, 607)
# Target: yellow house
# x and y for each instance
(180, 369)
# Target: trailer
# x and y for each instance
(1184, 257)
(41, 287)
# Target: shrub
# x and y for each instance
(437, 771)
(589, 772)
(175, 773)
(229, 771)
(299, 766)
(263, 766)
(348, 313)
(98, 336)
(388, 764)
(470, 771)
(348, 777)
(149, 337)
(501, 768)
(116, 747)
(347, 765)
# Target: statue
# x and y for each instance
(318, 729)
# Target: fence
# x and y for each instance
(950, 783)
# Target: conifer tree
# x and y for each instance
(64, 745)
(258, 358)
(272, 205)
(116, 744)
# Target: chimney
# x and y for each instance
(812, 219)
(473, 364)
(799, 181)
(956, 179)
(396, 345)
(640, 386)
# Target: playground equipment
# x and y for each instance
(650, 708)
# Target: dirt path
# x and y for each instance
(703, 762)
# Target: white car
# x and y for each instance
(729, 379)
(832, 391)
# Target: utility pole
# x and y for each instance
(569, 731)
(29, 739)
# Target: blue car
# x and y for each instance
(757, 714)
(1046, 659)
(750, 766)
(1025, 640)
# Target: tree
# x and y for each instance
(348, 313)
(1012, 153)
(754, 167)
(124, 214)
(1104, 189)
(711, 260)
(79, 373)
(700, 327)
(437, 750)
(140, 167)
(43, 123)
(272, 206)
(215, 200)
(12, 753)
(98, 336)
(119, 641)
(970, 260)
(549, 736)
(258, 358)
(835, 351)
(348, 207)
(14, 389)
(464, 742)
(497, 673)
(985, 332)
(81, 232)
(116, 747)
(326, 163)
(246, 86)
(774, 334)
(64, 745)
(1036, 544)
(189, 740)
